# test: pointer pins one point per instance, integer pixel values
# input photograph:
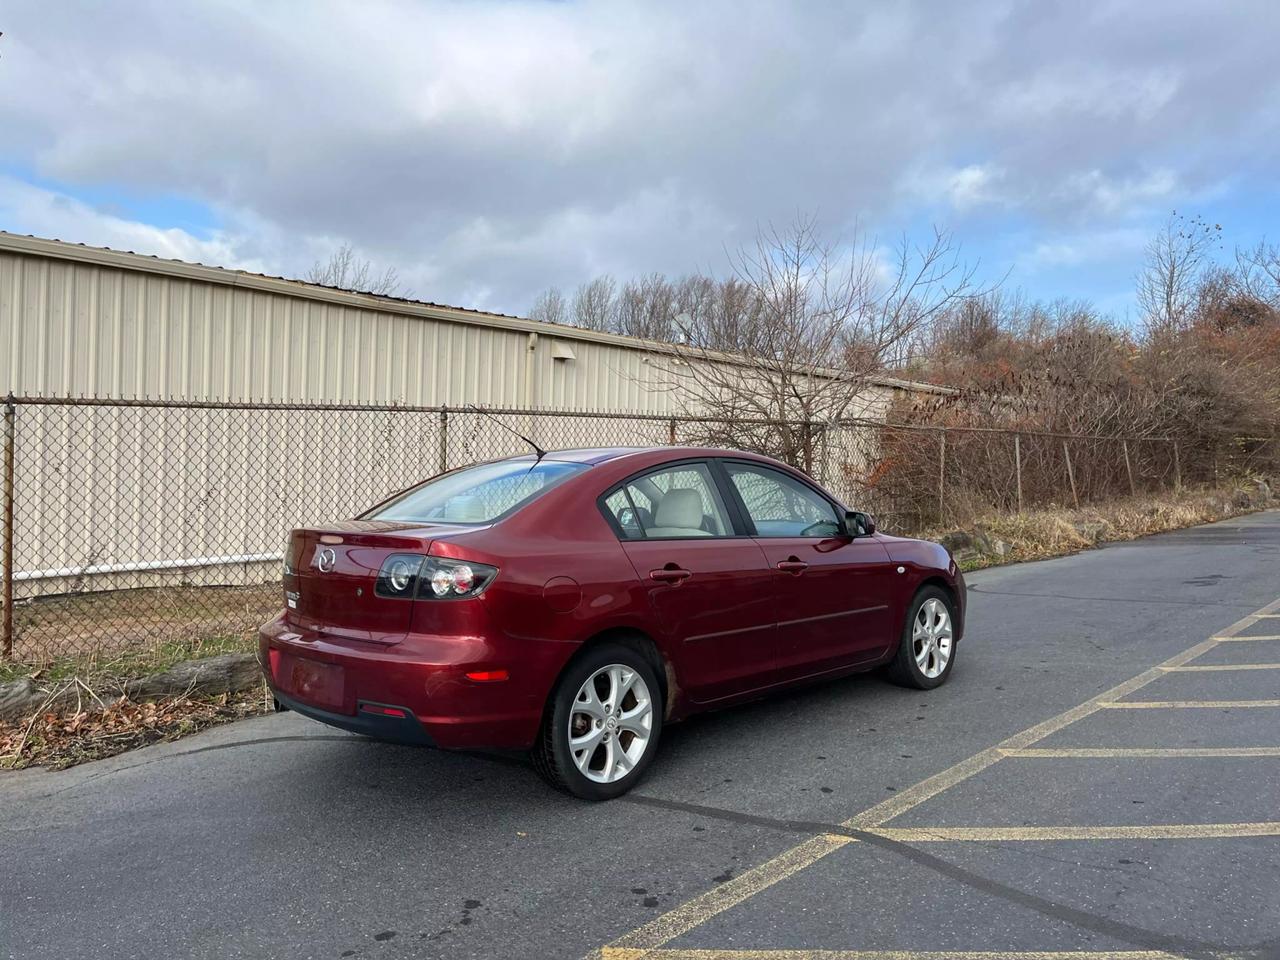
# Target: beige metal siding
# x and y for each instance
(74, 328)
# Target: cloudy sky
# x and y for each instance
(489, 149)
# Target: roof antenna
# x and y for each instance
(485, 413)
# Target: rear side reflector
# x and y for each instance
(383, 711)
(488, 676)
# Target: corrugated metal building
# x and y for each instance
(86, 321)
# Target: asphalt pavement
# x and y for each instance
(1082, 787)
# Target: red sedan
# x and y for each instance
(572, 603)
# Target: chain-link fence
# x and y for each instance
(131, 524)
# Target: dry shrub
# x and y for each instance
(1055, 531)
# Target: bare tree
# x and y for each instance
(550, 307)
(805, 323)
(1258, 269)
(1167, 284)
(646, 308)
(593, 304)
(346, 272)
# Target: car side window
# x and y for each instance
(670, 503)
(627, 516)
(782, 506)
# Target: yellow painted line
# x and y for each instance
(1188, 704)
(1272, 609)
(1218, 667)
(692, 953)
(1245, 639)
(905, 800)
(674, 923)
(1089, 753)
(685, 917)
(1158, 831)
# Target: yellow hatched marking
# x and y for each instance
(685, 917)
(1158, 831)
(1188, 704)
(642, 941)
(1089, 753)
(1219, 667)
(905, 800)
(669, 953)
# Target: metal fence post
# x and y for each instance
(1017, 466)
(671, 432)
(1071, 475)
(10, 416)
(1177, 469)
(942, 472)
(1128, 468)
(444, 439)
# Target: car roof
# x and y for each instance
(596, 455)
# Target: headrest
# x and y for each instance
(679, 508)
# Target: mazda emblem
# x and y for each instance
(326, 559)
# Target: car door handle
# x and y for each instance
(670, 575)
(793, 566)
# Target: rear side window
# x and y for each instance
(780, 505)
(627, 516)
(479, 494)
(679, 502)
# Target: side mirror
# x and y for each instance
(859, 524)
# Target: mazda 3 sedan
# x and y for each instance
(572, 603)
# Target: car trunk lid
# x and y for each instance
(332, 572)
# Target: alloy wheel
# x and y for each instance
(931, 638)
(610, 723)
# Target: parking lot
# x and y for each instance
(1100, 778)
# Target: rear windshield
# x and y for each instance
(479, 494)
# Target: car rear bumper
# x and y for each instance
(335, 681)
(407, 729)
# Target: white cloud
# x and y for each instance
(960, 188)
(1109, 195)
(27, 209)
(488, 149)
(1087, 246)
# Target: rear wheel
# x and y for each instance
(926, 651)
(602, 724)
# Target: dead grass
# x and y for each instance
(50, 628)
(63, 739)
(1056, 531)
(106, 668)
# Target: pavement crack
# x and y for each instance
(1128, 933)
(1118, 930)
(807, 827)
(187, 753)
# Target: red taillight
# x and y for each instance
(273, 661)
(383, 711)
(488, 676)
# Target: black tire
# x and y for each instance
(552, 757)
(903, 669)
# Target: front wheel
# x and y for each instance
(926, 651)
(602, 723)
